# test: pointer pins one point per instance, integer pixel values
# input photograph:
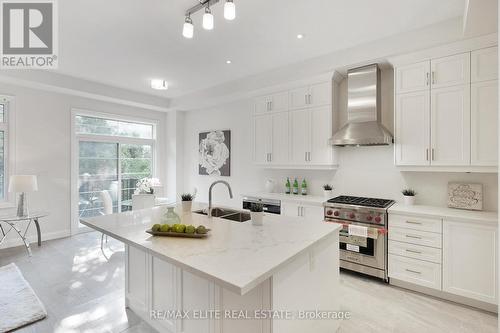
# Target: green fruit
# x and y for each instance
(165, 228)
(201, 230)
(156, 227)
(180, 228)
(190, 229)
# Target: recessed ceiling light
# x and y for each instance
(159, 84)
(300, 36)
(228, 62)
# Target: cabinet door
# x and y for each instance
(279, 102)
(280, 138)
(164, 286)
(412, 142)
(484, 123)
(484, 64)
(289, 208)
(137, 272)
(262, 138)
(313, 214)
(470, 260)
(450, 71)
(414, 77)
(299, 134)
(320, 94)
(261, 104)
(299, 97)
(450, 126)
(321, 130)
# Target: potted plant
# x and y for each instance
(409, 196)
(327, 191)
(187, 202)
(257, 213)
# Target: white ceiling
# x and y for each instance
(125, 43)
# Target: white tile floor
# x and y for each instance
(84, 292)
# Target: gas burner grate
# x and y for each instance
(360, 201)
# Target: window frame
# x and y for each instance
(76, 138)
(9, 199)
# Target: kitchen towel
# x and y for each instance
(357, 230)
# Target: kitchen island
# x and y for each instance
(281, 277)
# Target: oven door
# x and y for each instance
(359, 250)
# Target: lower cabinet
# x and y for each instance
(420, 272)
(470, 260)
(306, 211)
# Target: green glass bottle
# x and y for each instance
(295, 186)
(304, 187)
(288, 186)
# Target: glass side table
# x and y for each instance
(9, 223)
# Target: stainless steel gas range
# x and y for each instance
(358, 253)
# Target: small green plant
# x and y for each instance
(187, 197)
(256, 207)
(408, 192)
(327, 187)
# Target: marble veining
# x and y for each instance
(238, 256)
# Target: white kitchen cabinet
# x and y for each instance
(303, 210)
(450, 126)
(262, 139)
(412, 127)
(314, 95)
(165, 278)
(271, 103)
(450, 71)
(136, 288)
(470, 260)
(413, 77)
(320, 130)
(300, 136)
(484, 64)
(484, 123)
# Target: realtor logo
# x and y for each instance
(29, 34)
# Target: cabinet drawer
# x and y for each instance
(415, 251)
(415, 271)
(415, 237)
(416, 223)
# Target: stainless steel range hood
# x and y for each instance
(363, 126)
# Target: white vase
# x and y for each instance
(409, 200)
(257, 218)
(186, 206)
(270, 184)
(328, 194)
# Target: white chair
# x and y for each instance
(107, 204)
(143, 201)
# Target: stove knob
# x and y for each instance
(369, 218)
(351, 216)
(378, 219)
(336, 213)
(329, 212)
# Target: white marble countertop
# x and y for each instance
(310, 199)
(445, 212)
(238, 256)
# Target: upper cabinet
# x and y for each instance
(295, 133)
(446, 111)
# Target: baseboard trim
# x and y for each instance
(444, 295)
(14, 241)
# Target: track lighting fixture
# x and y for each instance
(208, 17)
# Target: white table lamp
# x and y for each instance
(22, 184)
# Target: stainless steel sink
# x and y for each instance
(227, 214)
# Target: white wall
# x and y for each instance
(364, 171)
(43, 147)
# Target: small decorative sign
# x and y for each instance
(465, 196)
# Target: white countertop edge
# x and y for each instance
(241, 290)
(445, 213)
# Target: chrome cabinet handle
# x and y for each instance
(427, 79)
(270, 105)
(413, 251)
(433, 77)
(270, 157)
(310, 98)
(298, 210)
(427, 154)
(411, 222)
(412, 271)
(305, 99)
(432, 153)
(415, 237)
(305, 156)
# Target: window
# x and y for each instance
(113, 154)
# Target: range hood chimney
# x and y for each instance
(363, 126)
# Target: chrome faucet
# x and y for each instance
(210, 194)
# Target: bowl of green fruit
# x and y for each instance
(179, 230)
